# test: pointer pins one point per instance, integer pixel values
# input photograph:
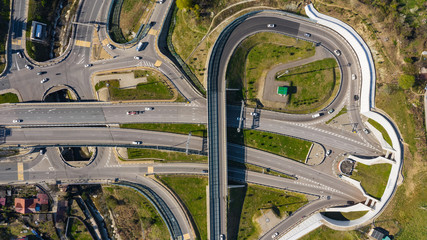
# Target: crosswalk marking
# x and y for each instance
(16, 42)
(82, 43)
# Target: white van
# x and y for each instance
(316, 115)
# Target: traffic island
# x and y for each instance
(134, 84)
(78, 157)
(258, 208)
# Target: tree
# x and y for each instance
(406, 81)
(184, 4)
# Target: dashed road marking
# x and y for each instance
(21, 171)
(82, 43)
(158, 63)
(152, 32)
(105, 41)
(186, 236)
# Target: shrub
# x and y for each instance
(406, 81)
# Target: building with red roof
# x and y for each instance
(24, 206)
(42, 198)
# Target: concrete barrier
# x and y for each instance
(367, 104)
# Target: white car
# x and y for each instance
(254, 114)
(271, 25)
(44, 80)
(328, 152)
(20, 54)
(337, 52)
(17, 120)
(275, 235)
(137, 57)
(29, 67)
(353, 77)
(366, 131)
(110, 46)
(89, 65)
(307, 34)
(149, 108)
(137, 142)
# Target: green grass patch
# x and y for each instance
(187, 33)
(259, 169)
(261, 52)
(181, 128)
(9, 98)
(155, 88)
(137, 217)
(406, 215)
(324, 232)
(127, 17)
(373, 178)
(258, 199)
(164, 156)
(354, 215)
(382, 130)
(312, 84)
(343, 111)
(194, 200)
(78, 230)
(281, 145)
(4, 28)
(40, 11)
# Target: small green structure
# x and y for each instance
(282, 90)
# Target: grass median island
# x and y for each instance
(259, 169)
(4, 28)
(8, 98)
(135, 217)
(281, 145)
(127, 17)
(155, 88)
(194, 200)
(164, 156)
(372, 178)
(252, 201)
(260, 52)
(40, 11)
(181, 128)
(78, 230)
(324, 232)
(315, 83)
(342, 111)
(382, 130)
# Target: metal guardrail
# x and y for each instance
(194, 80)
(163, 209)
(213, 128)
(142, 31)
(166, 148)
